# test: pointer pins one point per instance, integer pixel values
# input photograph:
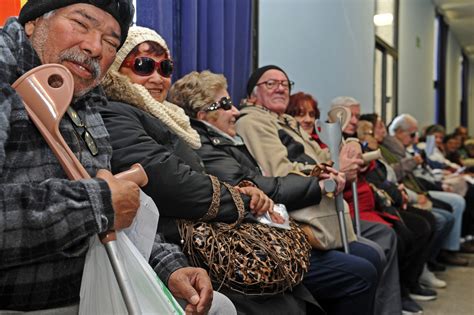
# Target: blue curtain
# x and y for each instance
(205, 34)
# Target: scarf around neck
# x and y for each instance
(118, 87)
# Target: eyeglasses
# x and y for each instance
(84, 133)
(124, 8)
(145, 66)
(273, 84)
(413, 134)
(225, 103)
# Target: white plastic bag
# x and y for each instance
(100, 293)
(281, 210)
(142, 231)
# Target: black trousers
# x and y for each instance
(468, 214)
(415, 238)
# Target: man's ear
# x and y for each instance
(30, 27)
(252, 100)
(201, 115)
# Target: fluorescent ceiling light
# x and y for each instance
(383, 19)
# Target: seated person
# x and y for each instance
(280, 146)
(468, 159)
(462, 134)
(145, 128)
(205, 98)
(305, 109)
(438, 158)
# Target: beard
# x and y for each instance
(40, 40)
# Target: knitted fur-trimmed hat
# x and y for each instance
(121, 10)
(136, 36)
(257, 74)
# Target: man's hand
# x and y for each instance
(403, 192)
(446, 187)
(194, 286)
(418, 159)
(125, 199)
(338, 177)
(350, 160)
(259, 202)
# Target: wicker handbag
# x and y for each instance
(250, 258)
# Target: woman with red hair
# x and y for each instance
(305, 110)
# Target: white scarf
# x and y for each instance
(118, 87)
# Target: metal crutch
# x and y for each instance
(331, 135)
(343, 114)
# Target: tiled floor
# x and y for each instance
(458, 297)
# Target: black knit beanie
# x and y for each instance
(257, 74)
(121, 10)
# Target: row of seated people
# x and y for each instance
(408, 178)
(264, 145)
(379, 275)
(453, 151)
(47, 220)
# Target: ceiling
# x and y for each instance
(459, 15)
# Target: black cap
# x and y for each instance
(257, 74)
(121, 10)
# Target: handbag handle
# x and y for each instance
(239, 203)
(216, 200)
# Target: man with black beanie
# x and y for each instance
(47, 220)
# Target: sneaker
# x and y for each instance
(422, 294)
(410, 307)
(452, 258)
(428, 279)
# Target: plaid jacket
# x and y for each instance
(45, 219)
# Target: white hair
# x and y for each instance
(402, 122)
(345, 101)
(49, 14)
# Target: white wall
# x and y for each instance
(453, 83)
(325, 46)
(416, 62)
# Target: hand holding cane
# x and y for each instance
(47, 92)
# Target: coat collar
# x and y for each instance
(215, 136)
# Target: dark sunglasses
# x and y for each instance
(145, 66)
(84, 133)
(413, 134)
(225, 103)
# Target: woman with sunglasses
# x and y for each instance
(146, 128)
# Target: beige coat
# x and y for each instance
(260, 129)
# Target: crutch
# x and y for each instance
(331, 135)
(342, 114)
(47, 92)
